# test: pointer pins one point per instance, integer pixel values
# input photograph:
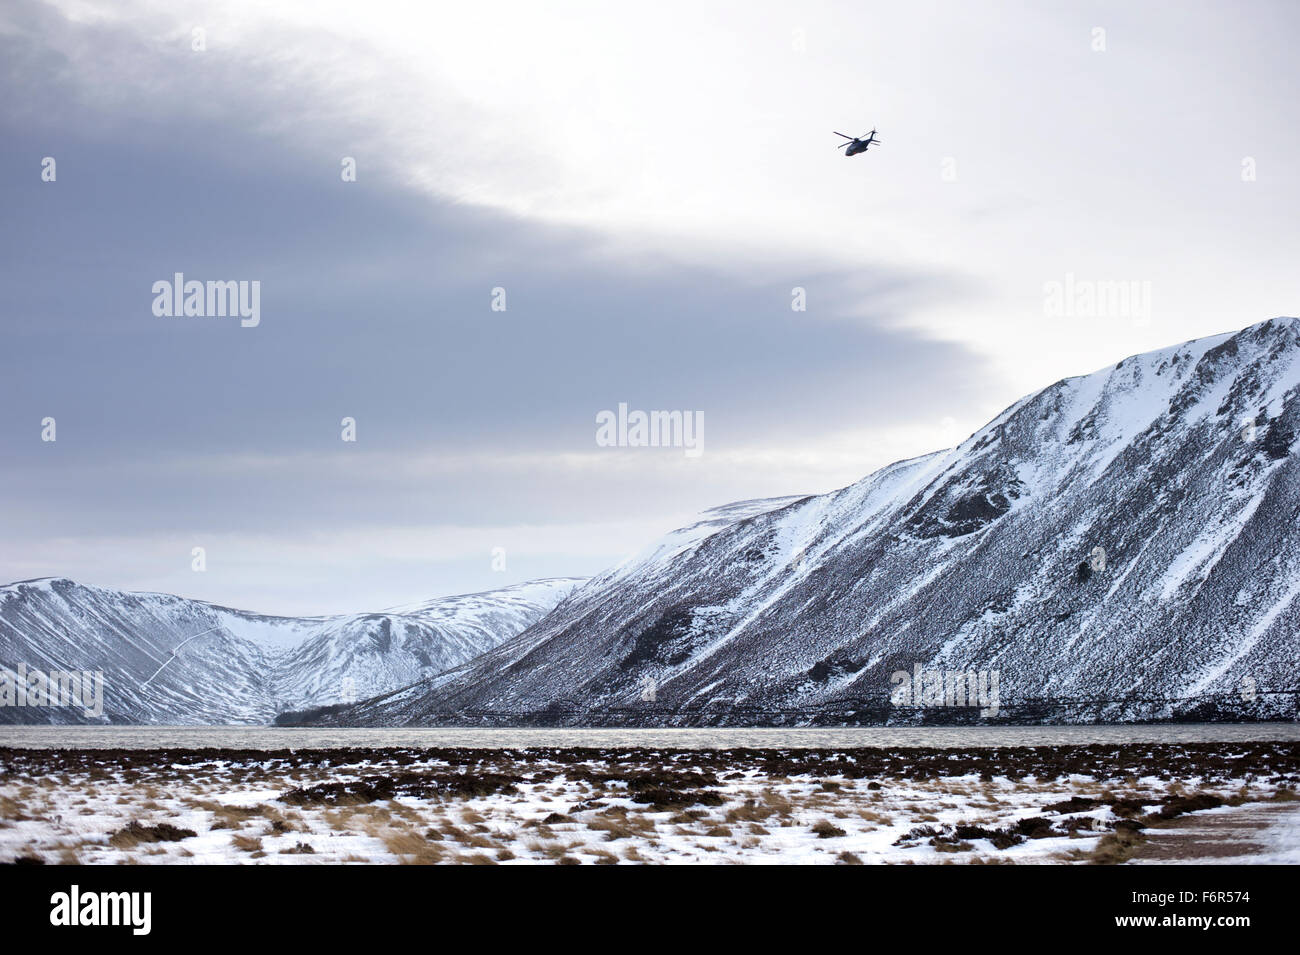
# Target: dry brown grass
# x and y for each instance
(11, 809)
(463, 830)
(340, 820)
(871, 815)
(826, 829)
(1116, 847)
(547, 850)
(411, 848)
(621, 825)
(223, 816)
(750, 811)
(246, 843)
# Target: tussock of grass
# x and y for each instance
(11, 809)
(826, 829)
(135, 834)
(750, 811)
(223, 816)
(621, 826)
(246, 843)
(411, 847)
(547, 850)
(1116, 847)
(870, 815)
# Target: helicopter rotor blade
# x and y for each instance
(837, 133)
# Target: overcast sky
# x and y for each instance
(648, 184)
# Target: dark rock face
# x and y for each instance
(1115, 547)
(664, 641)
(1277, 441)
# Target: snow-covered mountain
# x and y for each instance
(231, 666)
(1130, 535)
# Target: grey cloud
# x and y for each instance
(375, 304)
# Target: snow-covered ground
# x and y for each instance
(631, 806)
(1252, 834)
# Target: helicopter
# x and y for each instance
(857, 144)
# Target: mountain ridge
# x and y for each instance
(169, 659)
(1124, 537)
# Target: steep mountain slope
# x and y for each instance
(1126, 536)
(236, 667)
